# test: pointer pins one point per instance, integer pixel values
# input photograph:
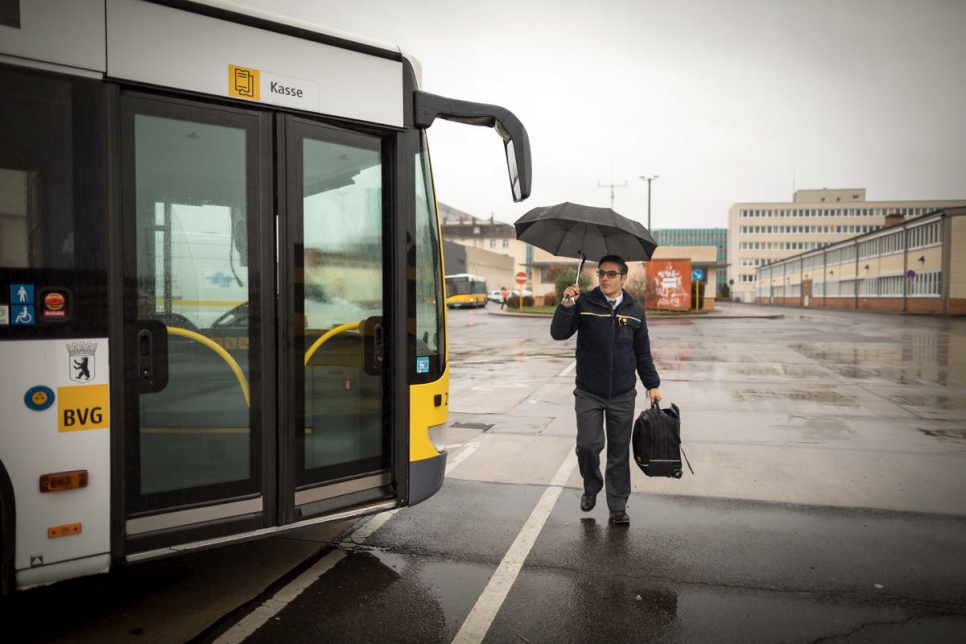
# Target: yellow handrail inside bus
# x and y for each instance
(197, 337)
(328, 334)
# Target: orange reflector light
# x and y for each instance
(63, 530)
(60, 481)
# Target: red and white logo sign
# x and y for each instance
(521, 278)
(54, 306)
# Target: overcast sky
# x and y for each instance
(725, 100)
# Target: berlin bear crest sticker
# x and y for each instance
(81, 361)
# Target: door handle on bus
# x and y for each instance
(151, 349)
(374, 341)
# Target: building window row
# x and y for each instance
(928, 235)
(891, 286)
(813, 262)
(784, 230)
(814, 230)
(840, 256)
(782, 245)
(833, 212)
(925, 284)
(880, 246)
(838, 288)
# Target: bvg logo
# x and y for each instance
(243, 83)
(83, 408)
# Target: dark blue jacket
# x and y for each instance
(611, 345)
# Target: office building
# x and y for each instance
(915, 265)
(762, 233)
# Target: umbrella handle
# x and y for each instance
(580, 267)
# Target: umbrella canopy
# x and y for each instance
(584, 232)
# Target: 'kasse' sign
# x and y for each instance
(267, 87)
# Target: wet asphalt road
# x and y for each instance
(828, 504)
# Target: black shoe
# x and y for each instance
(620, 518)
(587, 502)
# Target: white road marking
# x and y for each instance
(251, 623)
(359, 536)
(488, 605)
(569, 368)
(462, 456)
(271, 607)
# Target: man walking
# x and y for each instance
(613, 347)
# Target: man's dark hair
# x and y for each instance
(615, 259)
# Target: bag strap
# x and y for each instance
(686, 458)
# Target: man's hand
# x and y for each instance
(571, 293)
(655, 395)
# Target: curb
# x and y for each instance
(656, 318)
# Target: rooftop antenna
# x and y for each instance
(611, 186)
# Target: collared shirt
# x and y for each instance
(616, 302)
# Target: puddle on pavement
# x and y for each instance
(945, 435)
(935, 402)
(917, 357)
(756, 370)
(772, 369)
(819, 431)
(800, 395)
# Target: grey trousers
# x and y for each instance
(619, 413)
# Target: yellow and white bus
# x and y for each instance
(221, 285)
(465, 290)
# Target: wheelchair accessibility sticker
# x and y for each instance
(21, 304)
(21, 314)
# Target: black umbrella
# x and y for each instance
(585, 232)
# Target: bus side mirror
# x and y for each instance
(516, 143)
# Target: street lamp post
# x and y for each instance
(649, 180)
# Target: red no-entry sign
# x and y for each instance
(521, 278)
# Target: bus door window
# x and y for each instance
(342, 298)
(195, 440)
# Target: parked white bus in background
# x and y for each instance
(221, 285)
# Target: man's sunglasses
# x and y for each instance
(609, 274)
